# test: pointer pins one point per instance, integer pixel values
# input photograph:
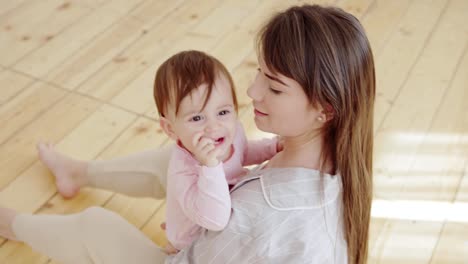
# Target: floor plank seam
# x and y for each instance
(408, 74)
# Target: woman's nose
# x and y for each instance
(255, 90)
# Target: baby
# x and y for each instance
(196, 99)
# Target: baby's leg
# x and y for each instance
(93, 236)
(142, 174)
(70, 174)
(6, 219)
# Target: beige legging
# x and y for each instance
(97, 235)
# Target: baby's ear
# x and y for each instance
(167, 127)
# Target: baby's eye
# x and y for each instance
(224, 112)
(196, 118)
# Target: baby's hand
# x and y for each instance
(170, 249)
(279, 144)
(205, 151)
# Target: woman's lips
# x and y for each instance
(258, 113)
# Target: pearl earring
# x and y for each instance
(320, 119)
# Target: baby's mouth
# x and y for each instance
(219, 141)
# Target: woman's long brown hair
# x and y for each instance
(327, 52)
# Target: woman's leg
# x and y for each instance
(93, 236)
(142, 174)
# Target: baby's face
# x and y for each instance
(216, 121)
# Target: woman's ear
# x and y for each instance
(167, 127)
(327, 113)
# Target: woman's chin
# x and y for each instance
(261, 126)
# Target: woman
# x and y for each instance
(310, 203)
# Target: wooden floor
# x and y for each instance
(79, 73)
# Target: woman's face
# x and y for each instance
(281, 105)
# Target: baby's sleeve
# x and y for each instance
(257, 151)
(204, 197)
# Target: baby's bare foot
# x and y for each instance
(6, 220)
(69, 173)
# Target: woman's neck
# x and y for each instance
(301, 151)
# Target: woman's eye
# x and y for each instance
(275, 91)
(224, 112)
(196, 118)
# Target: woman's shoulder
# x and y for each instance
(287, 189)
(299, 188)
(266, 197)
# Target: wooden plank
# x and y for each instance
(33, 25)
(220, 20)
(24, 107)
(93, 4)
(356, 7)
(10, 5)
(230, 52)
(90, 58)
(10, 253)
(442, 155)
(393, 65)
(375, 230)
(428, 82)
(381, 20)
(261, 12)
(453, 244)
(146, 53)
(12, 84)
(453, 240)
(462, 195)
(403, 241)
(59, 48)
(18, 153)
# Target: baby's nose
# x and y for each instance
(211, 126)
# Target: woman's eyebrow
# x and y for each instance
(274, 78)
